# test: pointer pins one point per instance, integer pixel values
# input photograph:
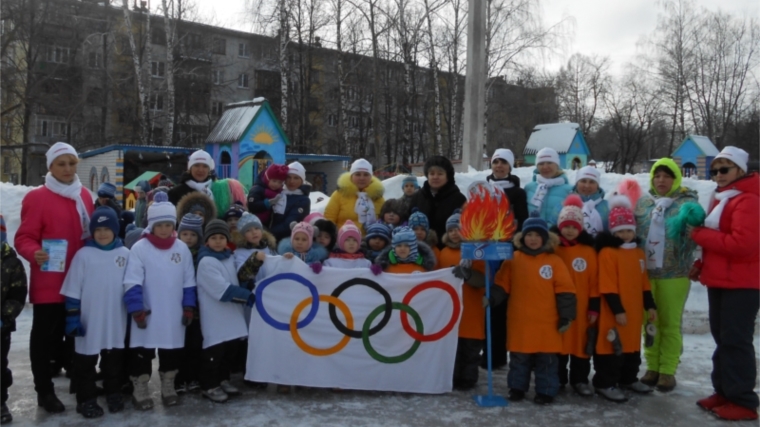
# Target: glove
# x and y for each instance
(614, 337)
(74, 326)
(273, 201)
(251, 300)
(563, 325)
(187, 316)
(462, 272)
(592, 334)
(140, 318)
(376, 269)
(316, 267)
(651, 331)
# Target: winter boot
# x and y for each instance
(583, 389)
(650, 378)
(516, 395)
(230, 389)
(90, 409)
(6, 416)
(614, 337)
(543, 399)
(733, 412)
(115, 403)
(51, 403)
(666, 383)
(216, 395)
(612, 394)
(591, 335)
(712, 402)
(141, 394)
(637, 387)
(168, 394)
(651, 331)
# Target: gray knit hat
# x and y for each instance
(192, 222)
(217, 226)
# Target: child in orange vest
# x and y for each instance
(625, 289)
(577, 251)
(406, 254)
(541, 306)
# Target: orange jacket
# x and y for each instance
(473, 322)
(581, 262)
(533, 283)
(622, 272)
(404, 268)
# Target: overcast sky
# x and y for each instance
(602, 27)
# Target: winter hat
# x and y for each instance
(192, 222)
(405, 235)
(279, 172)
(621, 214)
(410, 179)
(736, 155)
(361, 165)
(454, 220)
(198, 208)
(378, 229)
(160, 211)
(418, 218)
(392, 205)
(132, 235)
(59, 149)
(297, 168)
(3, 230)
(441, 162)
(200, 156)
(107, 189)
(164, 181)
(348, 229)
(143, 185)
(248, 221)
(217, 226)
(235, 211)
(589, 172)
(313, 217)
(127, 217)
(329, 227)
(105, 216)
(571, 213)
(537, 224)
(160, 196)
(504, 154)
(547, 154)
(303, 227)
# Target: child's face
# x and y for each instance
(391, 218)
(454, 235)
(103, 236)
(350, 245)
(189, 238)
(217, 242)
(300, 242)
(409, 188)
(402, 250)
(163, 230)
(533, 240)
(626, 235)
(275, 184)
(420, 232)
(324, 239)
(140, 194)
(103, 201)
(570, 233)
(376, 243)
(232, 222)
(253, 235)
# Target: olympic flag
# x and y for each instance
(350, 329)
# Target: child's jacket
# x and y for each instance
(473, 322)
(13, 283)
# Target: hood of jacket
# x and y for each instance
(673, 166)
(548, 247)
(449, 244)
(347, 188)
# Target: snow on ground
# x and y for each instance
(351, 408)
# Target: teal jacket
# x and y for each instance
(603, 207)
(552, 202)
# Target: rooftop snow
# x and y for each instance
(705, 145)
(558, 136)
(234, 122)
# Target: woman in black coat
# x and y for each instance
(198, 177)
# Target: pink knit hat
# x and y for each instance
(348, 229)
(571, 213)
(303, 227)
(621, 214)
(274, 171)
(313, 217)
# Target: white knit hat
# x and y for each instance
(160, 212)
(547, 154)
(588, 172)
(59, 149)
(736, 155)
(297, 168)
(361, 165)
(504, 154)
(201, 156)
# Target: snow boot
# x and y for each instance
(592, 333)
(583, 389)
(542, 399)
(614, 337)
(216, 395)
(650, 378)
(516, 395)
(115, 403)
(712, 402)
(733, 412)
(51, 403)
(612, 394)
(230, 389)
(141, 393)
(637, 387)
(6, 416)
(90, 409)
(168, 394)
(666, 383)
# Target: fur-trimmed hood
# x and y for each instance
(548, 246)
(424, 251)
(347, 188)
(583, 239)
(267, 241)
(606, 239)
(317, 252)
(196, 198)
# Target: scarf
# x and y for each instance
(656, 238)
(160, 243)
(564, 242)
(345, 255)
(592, 221)
(116, 243)
(544, 184)
(713, 220)
(365, 209)
(203, 187)
(504, 183)
(629, 245)
(205, 251)
(71, 191)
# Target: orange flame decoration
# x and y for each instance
(487, 215)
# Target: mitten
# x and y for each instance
(187, 316)
(461, 272)
(591, 335)
(74, 326)
(613, 336)
(563, 325)
(273, 201)
(651, 331)
(376, 269)
(251, 300)
(316, 267)
(140, 318)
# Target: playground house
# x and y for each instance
(566, 138)
(694, 156)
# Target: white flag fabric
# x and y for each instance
(350, 329)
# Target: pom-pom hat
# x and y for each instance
(348, 229)
(249, 221)
(571, 213)
(621, 215)
(305, 228)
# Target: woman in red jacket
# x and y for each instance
(59, 210)
(729, 266)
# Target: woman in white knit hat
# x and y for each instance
(297, 204)
(198, 177)
(595, 209)
(359, 197)
(549, 187)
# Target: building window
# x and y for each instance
(352, 93)
(157, 102)
(243, 81)
(332, 120)
(94, 60)
(58, 54)
(218, 77)
(219, 46)
(353, 121)
(157, 69)
(243, 50)
(216, 108)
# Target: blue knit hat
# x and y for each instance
(3, 230)
(537, 224)
(405, 235)
(105, 216)
(418, 219)
(380, 230)
(192, 222)
(144, 186)
(107, 189)
(248, 221)
(412, 179)
(453, 220)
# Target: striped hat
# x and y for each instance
(378, 229)
(160, 211)
(249, 221)
(405, 235)
(419, 219)
(453, 220)
(192, 222)
(217, 226)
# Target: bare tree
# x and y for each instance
(170, 29)
(430, 9)
(580, 86)
(141, 70)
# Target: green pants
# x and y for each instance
(670, 296)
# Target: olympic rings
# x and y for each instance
(391, 359)
(388, 307)
(296, 278)
(454, 316)
(334, 302)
